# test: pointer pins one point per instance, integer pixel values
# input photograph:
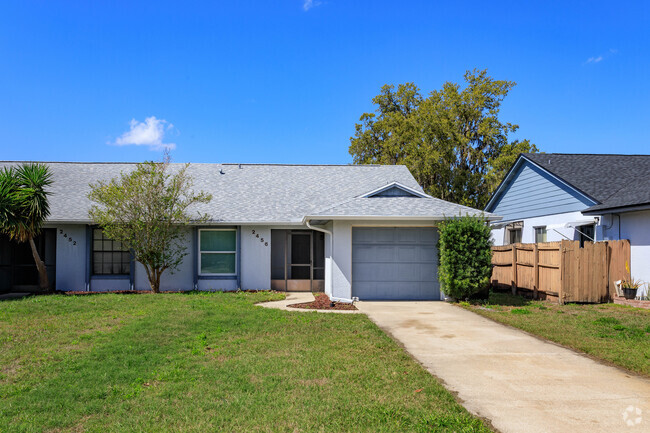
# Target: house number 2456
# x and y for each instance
(257, 235)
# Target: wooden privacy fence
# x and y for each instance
(562, 271)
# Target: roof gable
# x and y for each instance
(530, 191)
(395, 189)
(601, 177)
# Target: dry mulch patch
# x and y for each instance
(323, 302)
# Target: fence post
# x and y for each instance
(560, 293)
(535, 270)
(514, 269)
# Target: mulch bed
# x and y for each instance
(144, 292)
(323, 302)
(114, 292)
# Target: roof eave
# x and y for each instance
(224, 222)
(489, 217)
(617, 209)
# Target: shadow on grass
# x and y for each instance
(507, 299)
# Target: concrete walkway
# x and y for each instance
(299, 298)
(519, 382)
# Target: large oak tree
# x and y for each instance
(452, 140)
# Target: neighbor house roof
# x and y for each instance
(612, 181)
(260, 193)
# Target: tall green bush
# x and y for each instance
(465, 256)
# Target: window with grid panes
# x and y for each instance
(109, 256)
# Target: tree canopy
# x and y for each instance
(452, 141)
(147, 211)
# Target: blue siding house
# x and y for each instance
(550, 197)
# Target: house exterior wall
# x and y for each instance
(529, 224)
(533, 192)
(74, 273)
(328, 259)
(70, 256)
(182, 279)
(634, 226)
(342, 261)
(255, 257)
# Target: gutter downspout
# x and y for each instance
(331, 270)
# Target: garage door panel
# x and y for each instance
(407, 236)
(428, 236)
(407, 254)
(373, 235)
(375, 253)
(427, 271)
(408, 272)
(395, 263)
(428, 254)
(372, 273)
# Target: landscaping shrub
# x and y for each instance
(465, 256)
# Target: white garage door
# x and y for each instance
(395, 263)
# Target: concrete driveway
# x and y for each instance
(519, 382)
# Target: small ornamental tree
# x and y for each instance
(465, 256)
(147, 211)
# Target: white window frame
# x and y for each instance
(535, 233)
(200, 252)
(513, 226)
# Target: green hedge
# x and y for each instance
(465, 256)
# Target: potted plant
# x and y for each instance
(630, 287)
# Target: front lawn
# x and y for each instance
(614, 333)
(203, 362)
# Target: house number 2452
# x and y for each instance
(69, 238)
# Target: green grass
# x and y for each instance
(614, 333)
(208, 362)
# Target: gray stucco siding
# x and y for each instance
(533, 192)
(71, 266)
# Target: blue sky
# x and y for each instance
(286, 80)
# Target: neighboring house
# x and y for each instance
(363, 231)
(550, 197)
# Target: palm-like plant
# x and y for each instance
(24, 207)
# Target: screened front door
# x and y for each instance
(297, 260)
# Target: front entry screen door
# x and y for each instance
(297, 260)
(300, 256)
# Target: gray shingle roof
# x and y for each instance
(426, 207)
(254, 193)
(612, 180)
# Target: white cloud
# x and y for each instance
(149, 133)
(601, 57)
(308, 4)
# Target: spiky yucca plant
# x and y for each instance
(24, 207)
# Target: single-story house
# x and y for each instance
(364, 231)
(550, 197)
